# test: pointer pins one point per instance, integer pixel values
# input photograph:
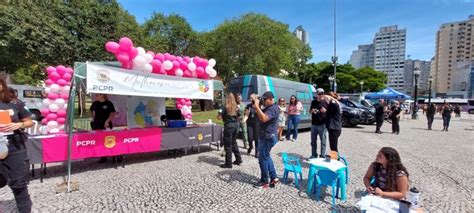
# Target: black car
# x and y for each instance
(350, 116)
(367, 114)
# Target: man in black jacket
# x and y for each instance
(379, 115)
(430, 113)
(318, 123)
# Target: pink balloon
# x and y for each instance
(51, 117)
(53, 96)
(61, 69)
(112, 47)
(69, 70)
(61, 113)
(189, 103)
(187, 59)
(44, 112)
(122, 57)
(160, 57)
(64, 96)
(167, 56)
(187, 74)
(49, 82)
(125, 43)
(196, 60)
(50, 69)
(172, 58)
(132, 53)
(67, 77)
(44, 121)
(200, 71)
(62, 82)
(156, 64)
(179, 59)
(182, 101)
(183, 65)
(54, 76)
(61, 120)
(204, 63)
(179, 106)
(175, 64)
(189, 116)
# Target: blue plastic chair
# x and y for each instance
(343, 159)
(326, 178)
(291, 164)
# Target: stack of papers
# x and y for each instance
(334, 165)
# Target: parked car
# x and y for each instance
(351, 116)
(367, 113)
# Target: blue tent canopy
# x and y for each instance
(387, 93)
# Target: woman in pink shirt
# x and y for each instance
(294, 110)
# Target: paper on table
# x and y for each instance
(334, 165)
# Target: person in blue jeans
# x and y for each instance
(446, 112)
(294, 110)
(318, 124)
(268, 137)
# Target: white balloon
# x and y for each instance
(53, 107)
(141, 51)
(213, 73)
(139, 60)
(179, 72)
(60, 102)
(47, 90)
(148, 58)
(148, 68)
(209, 69)
(52, 124)
(65, 89)
(167, 65)
(212, 62)
(54, 88)
(61, 127)
(46, 102)
(192, 67)
(54, 130)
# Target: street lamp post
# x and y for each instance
(334, 58)
(361, 88)
(331, 80)
(417, 73)
(430, 80)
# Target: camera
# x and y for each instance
(259, 99)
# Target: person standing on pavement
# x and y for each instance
(253, 127)
(446, 111)
(430, 113)
(379, 115)
(318, 124)
(395, 117)
(294, 110)
(242, 124)
(17, 158)
(333, 120)
(268, 118)
(281, 117)
(230, 115)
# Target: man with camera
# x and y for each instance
(268, 118)
(318, 123)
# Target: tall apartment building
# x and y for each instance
(363, 56)
(409, 76)
(301, 34)
(454, 44)
(389, 45)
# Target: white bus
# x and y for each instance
(31, 96)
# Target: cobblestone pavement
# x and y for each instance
(439, 164)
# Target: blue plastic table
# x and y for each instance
(335, 166)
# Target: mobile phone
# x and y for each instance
(404, 206)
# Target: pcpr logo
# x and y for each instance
(103, 76)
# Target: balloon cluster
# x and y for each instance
(136, 58)
(185, 105)
(57, 90)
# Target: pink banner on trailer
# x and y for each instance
(102, 143)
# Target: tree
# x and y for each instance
(373, 80)
(169, 34)
(253, 43)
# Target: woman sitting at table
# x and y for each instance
(391, 177)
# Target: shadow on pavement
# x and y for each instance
(360, 193)
(209, 160)
(231, 175)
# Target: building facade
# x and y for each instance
(301, 34)
(363, 56)
(409, 76)
(389, 58)
(454, 49)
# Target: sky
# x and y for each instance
(357, 21)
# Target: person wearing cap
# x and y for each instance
(318, 123)
(268, 118)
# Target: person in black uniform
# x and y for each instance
(333, 120)
(17, 159)
(230, 116)
(430, 113)
(103, 111)
(395, 116)
(379, 115)
(253, 127)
